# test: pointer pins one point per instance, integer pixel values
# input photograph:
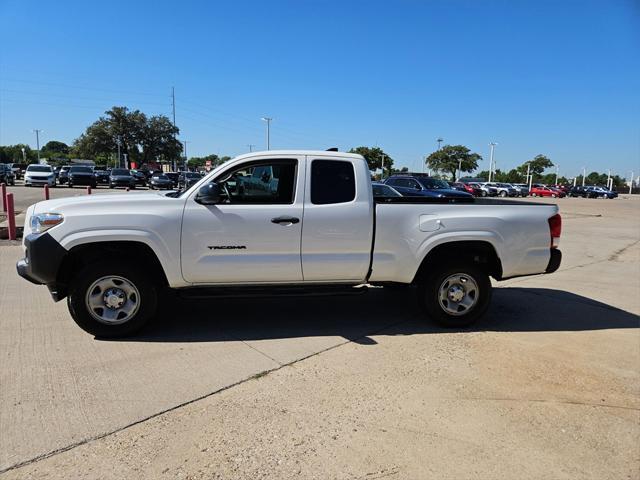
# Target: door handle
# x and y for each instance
(284, 219)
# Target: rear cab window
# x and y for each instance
(332, 181)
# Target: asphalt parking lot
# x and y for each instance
(546, 386)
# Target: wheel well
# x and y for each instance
(83, 255)
(478, 252)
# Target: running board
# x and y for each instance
(269, 291)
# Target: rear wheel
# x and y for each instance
(112, 300)
(503, 194)
(456, 295)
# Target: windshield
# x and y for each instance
(120, 171)
(81, 170)
(39, 168)
(160, 177)
(433, 183)
(192, 175)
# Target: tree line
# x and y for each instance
(145, 139)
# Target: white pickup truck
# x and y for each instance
(314, 227)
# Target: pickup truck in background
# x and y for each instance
(313, 226)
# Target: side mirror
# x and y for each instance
(208, 194)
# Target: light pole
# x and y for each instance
(529, 176)
(459, 170)
(584, 174)
(250, 145)
(382, 165)
(491, 165)
(631, 183)
(186, 159)
(24, 155)
(557, 170)
(268, 120)
(119, 143)
(439, 140)
(37, 132)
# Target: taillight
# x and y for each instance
(555, 229)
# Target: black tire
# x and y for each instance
(82, 315)
(428, 291)
(111, 186)
(70, 185)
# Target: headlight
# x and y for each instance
(44, 221)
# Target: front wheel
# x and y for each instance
(455, 296)
(112, 300)
(503, 194)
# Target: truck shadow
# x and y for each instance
(356, 318)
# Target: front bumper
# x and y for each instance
(82, 180)
(40, 181)
(42, 261)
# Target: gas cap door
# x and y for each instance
(430, 223)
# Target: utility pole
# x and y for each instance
(529, 176)
(173, 108)
(584, 174)
(268, 120)
(491, 164)
(119, 143)
(382, 174)
(250, 145)
(37, 132)
(186, 160)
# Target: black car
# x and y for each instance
(63, 174)
(102, 176)
(424, 186)
(187, 179)
(6, 174)
(160, 181)
(580, 191)
(139, 177)
(121, 177)
(80, 175)
(173, 176)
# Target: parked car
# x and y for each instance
(102, 176)
(121, 177)
(63, 174)
(503, 189)
(187, 179)
(546, 192)
(19, 169)
(423, 186)
(81, 175)
(601, 192)
(139, 177)
(523, 189)
(382, 190)
(173, 176)
(37, 174)
(458, 186)
(160, 181)
(6, 174)
(322, 220)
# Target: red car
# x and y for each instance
(546, 192)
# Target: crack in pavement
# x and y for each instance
(85, 441)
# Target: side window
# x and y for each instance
(272, 182)
(332, 181)
(413, 184)
(402, 182)
(392, 181)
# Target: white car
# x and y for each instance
(37, 174)
(317, 228)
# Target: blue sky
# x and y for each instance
(560, 78)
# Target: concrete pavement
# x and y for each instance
(547, 386)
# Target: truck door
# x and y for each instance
(338, 222)
(253, 234)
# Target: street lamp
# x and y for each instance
(268, 120)
(37, 132)
(24, 155)
(491, 163)
(439, 140)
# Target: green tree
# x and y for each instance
(450, 157)
(375, 157)
(536, 166)
(202, 161)
(142, 139)
(13, 154)
(54, 147)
